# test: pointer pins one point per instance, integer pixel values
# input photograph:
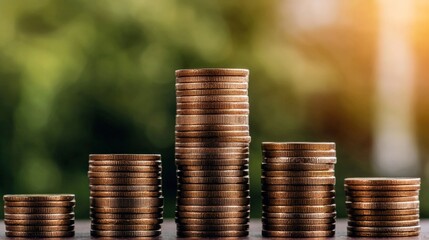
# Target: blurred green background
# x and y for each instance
(80, 77)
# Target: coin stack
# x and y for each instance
(382, 207)
(39, 216)
(126, 198)
(298, 189)
(212, 153)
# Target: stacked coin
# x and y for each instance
(39, 216)
(126, 197)
(298, 189)
(212, 153)
(382, 207)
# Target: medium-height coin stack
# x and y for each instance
(298, 189)
(126, 197)
(39, 216)
(382, 207)
(212, 150)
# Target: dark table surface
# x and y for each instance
(169, 230)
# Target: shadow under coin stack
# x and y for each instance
(212, 153)
(298, 189)
(382, 207)
(39, 216)
(126, 198)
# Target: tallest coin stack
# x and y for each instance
(212, 152)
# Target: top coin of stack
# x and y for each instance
(39, 215)
(212, 150)
(126, 197)
(298, 189)
(382, 207)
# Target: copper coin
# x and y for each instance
(41, 210)
(24, 222)
(22, 228)
(126, 216)
(212, 119)
(315, 160)
(71, 203)
(125, 157)
(384, 218)
(213, 194)
(13, 216)
(313, 227)
(295, 153)
(213, 111)
(211, 72)
(124, 174)
(299, 180)
(211, 150)
(382, 199)
(212, 162)
(382, 234)
(183, 216)
(125, 234)
(180, 156)
(384, 229)
(298, 234)
(126, 227)
(125, 194)
(294, 216)
(55, 234)
(126, 202)
(297, 221)
(382, 212)
(125, 181)
(213, 201)
(213, 98)
(297, 167)
(38, 197)
(383, 223)
(213, 187)
(144, 221)
(214, 140)
(381, 187)
(297, 188)
(226, 227)
(299, 196)
(383, 205)
(213, 105)
(211, 92)
(210, 86)
(197, 134)
(288, 146)
(213, 168)
(124, 163)
(298, 201)
(125, 188)
(299, 209)
(124, 168)
(213, 180)
(215, 208)
(193, 128)
(212, 234)
(374, 194)
(382, 181)
(328, 173)
(226, 173)
(198, 79)
(212, 221)
(140, 210)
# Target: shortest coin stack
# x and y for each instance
(39, 216)
(298, 183)
(382, 207)
(125, 195)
